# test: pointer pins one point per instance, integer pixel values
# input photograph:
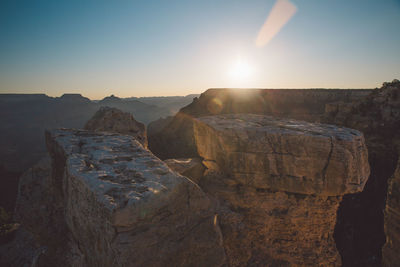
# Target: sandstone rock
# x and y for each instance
(176, 140)
(189, 167)
(125, 207)
(114, 120)
(279, 184)
(42, 238)
(378, 117)
(285, 155)
(34, 206)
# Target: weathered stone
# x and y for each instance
(359, 232)
(189, 167)
(283, 154)
(176, 139)
(23, 250)
(114, 120)
(390, 251)
(279, 184)
(43, 238)
(125, 207)
(264, 227)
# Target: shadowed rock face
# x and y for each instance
(390, 252)
(114, 120)
(359, 232)
(120, 205)
(279, 184)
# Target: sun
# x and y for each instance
(241, 70)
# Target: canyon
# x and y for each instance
(236, 178)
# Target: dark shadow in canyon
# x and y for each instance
(359, 231)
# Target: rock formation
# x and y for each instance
(176, 139)
(279, 184)
(267, 191)
(118, 206)
(390, 251)
(359, 232)
(108, 119)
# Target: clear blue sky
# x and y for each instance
(139, 48)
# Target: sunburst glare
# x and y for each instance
(241, 70)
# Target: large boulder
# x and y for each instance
(283, 154)
(125, 207)
(279, 184)
(108, 119)
(105, 200)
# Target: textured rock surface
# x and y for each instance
(285, 155)
(141, 213)
(43, 238)
(114, 120)
(176, 139)
(192, 168)
(107, 201)
(279, 184)
(390, 252)
(359, 232)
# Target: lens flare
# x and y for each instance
(280, 14)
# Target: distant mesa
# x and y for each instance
(74, 97)
(111, 98)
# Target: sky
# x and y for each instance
(160, 48)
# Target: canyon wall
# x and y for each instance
(267, 191)
(268, 195)
(360, 232)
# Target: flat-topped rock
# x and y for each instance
(116, 168)
(125, 207)
(283, 154)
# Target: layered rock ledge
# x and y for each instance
(279, 183)
(283, 154)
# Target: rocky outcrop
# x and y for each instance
(119, 206)
(176, 139)
(298, 157)
(390, 251)
(378, 117)
(42, 238)
(108, 119)
(278, 184)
